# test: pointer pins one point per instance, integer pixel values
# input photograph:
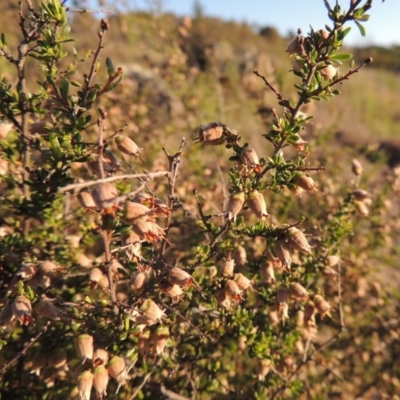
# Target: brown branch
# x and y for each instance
(149, 175)
(174, 162)
(84, 11)
(27, 346)
(139, 388)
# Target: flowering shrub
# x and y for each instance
(124, 282)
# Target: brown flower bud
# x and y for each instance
(117, 368)
(360, 194)
(298, 292)
(93, 164)
(232, 290)
(180, 277)
(297, 240)
(322, 306)
(105, 196)
(22, 310)
(243, 282)
(100, 357)
(84, 346)
(128, 146)
(309, 316)
(235, 205)
(100, 381)
(212, 134)
(85, 383)
(144, 342)
(240, 256)
(257, 204)
(111, 159)
(356, 167)
(86, 200)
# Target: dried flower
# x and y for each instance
(212, 134)
(128, 146)
(117, 368)
(362, 208)
(240, 256)
(47, 268)
(57, 359)
(93, 164)
(180, 277)
(268, 273)
(295, 46)
(227, 266)
(309, 316)
(134, 250)
(22, 310)
(223, 299)
(148, 230)
(232, 290)
(264, 366)
(243, 282)
(38, 362)
(100, 381)
(85, 383)
(322, 306)
(84, 346)
(47, 309)
(297, 240)
(86, 200)
(144, 342)
(160, 339)
(100, 357)
(282, 252)
(235, 205)
(138, 281)
(356, 167)
(256, 202)
(360, 194)
(105, 197)
(330, 273)
(248, 156)
(298, 292)
(332, 260)
(111, 159)
(173, 291)
(306, 182)
(26, 272)
(133, 211)
(329, 72)
(152, 311)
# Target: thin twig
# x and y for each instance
(339, 286)
(149, 175)
(25, 349)
(84, 11)
(146, 378)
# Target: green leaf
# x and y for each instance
(3, 40)
(341, 57)
(365, 17)
(327, 5)
(361, 28)
(110, 67)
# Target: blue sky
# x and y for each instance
(288, 15)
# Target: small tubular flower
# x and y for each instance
(257, 204)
